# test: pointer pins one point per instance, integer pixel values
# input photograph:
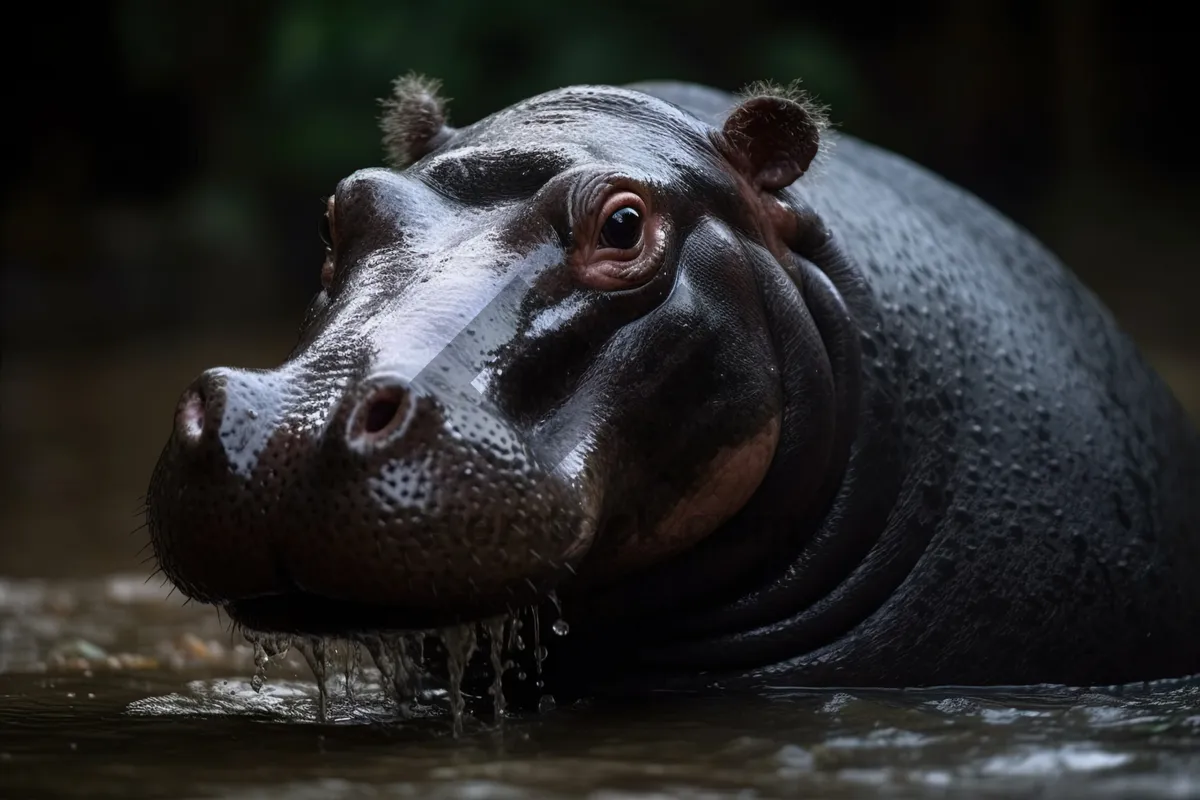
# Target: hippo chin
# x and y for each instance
(756, 404)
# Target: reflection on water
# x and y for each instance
(108, 689)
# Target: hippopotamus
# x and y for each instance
(746, 401)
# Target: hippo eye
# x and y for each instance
(622, 229)
(621, 245)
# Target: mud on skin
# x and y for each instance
(760, 404)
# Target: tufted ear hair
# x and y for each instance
(414, 120)
(773, 136)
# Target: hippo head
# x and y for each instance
(543, 358)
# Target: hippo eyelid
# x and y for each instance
(608, 268)
(589, 196)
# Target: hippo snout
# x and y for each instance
(313, 504)
(211, 485)
(235, 412)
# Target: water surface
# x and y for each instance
(109, 688)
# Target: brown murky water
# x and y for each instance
(108, 688)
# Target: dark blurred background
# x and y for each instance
(167, 163)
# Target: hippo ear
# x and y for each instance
(414, 120)
(773, 136)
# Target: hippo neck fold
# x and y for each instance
(791, 549)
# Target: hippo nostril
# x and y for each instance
(383, 413)
(191, 415)
(201, 406)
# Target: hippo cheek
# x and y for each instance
(724, 485)
(450, 512)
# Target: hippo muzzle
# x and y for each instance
(312, 505)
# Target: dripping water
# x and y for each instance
(400, 659)
(397, 676)
(266, 646)
(559, 626)
(408, 656)
(353, 667)
(460, 645)
(539, 652)
(514, 633)
(313, 650)
(495, 633)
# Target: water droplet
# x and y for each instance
(560, 627)
(539, 652)
(260, 666)
(266, 647)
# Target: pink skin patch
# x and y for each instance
(728, 484)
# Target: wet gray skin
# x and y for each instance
(751, 425)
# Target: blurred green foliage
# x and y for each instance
(306, 96)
